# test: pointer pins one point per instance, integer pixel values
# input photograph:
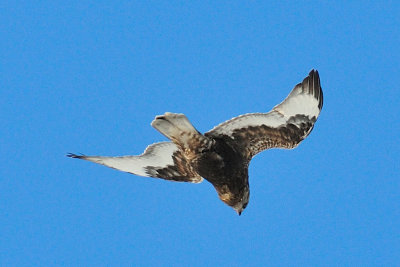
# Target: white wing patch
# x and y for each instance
(156, 158)
(156, 155)
(271, 119)
(304, 99)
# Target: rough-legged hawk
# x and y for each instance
(222, 155)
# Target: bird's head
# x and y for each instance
(237, 200)
(241, 204)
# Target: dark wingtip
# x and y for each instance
(319, 89)
(74, 156)
(314, 77)
(313, 71)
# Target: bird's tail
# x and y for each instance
(179, 130)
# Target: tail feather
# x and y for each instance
(179, 130)
(173, 125)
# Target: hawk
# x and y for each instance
(222, 155)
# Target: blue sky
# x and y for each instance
(89, 77)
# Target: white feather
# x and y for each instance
(155, 155)
(299, 101)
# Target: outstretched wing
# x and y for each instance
(161, 160)
(285, 126)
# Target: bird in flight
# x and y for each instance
(222, 155)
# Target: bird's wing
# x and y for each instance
(161, 160)
(285, 126)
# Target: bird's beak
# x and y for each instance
(238, 212)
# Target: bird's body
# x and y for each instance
(222, 155)
(226, 168)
